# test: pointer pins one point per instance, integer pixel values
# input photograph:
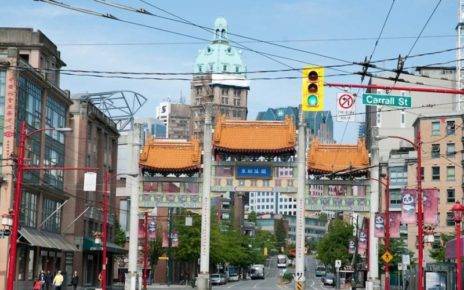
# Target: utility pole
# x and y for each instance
(106, 182)
(300, 206)
(387, 231)
(133, 232)
(145, 258)
(170, 264)
(459, 53)
(373, 274)
(203, 276)
(16, 208)
(420, 211)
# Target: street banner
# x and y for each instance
(165, 243)
(395, 221)
(174, 239)
(152, 228)
(141, 228)
(430, 206)
(408, 206)
(351, 247)
(362, 243)
(379, 229)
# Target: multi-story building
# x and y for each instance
(94, 144)
(442, 139)
(318, 124)
(399, 122)
(30, 92)
(220, 79)
(271, 203)
(176, 118)
(151, 127)
(315, 227)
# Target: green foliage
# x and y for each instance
(119, 235)
(288, 277)
(438, 251)
(252, 217)
(280, 233)
(156, 249)
(334, 244)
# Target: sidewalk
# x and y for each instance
(164, 286)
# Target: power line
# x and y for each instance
(381, 29)
(334, 39)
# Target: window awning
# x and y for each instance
(46, 239)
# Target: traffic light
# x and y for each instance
(312, 88)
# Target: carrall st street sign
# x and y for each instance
(386, 100)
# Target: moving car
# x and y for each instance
(328, 279)
(320, 271)
(233, 277)
(257, 271)
(218, 279)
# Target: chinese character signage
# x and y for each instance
(253, 171)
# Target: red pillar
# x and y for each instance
(145, 258)
(387, 231)
(16, 208)
(420, 213)
(106, 181)
(458, 255)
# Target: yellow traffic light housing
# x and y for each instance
(312, 88)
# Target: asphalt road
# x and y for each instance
(272, 280)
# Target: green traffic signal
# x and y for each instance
(312, 100)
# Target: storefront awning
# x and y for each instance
(89, 245)
(46, 239)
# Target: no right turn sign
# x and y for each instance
(346, 107)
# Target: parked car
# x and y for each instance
(257, 271)
(328, 279)
(320, 271)
(218, 279)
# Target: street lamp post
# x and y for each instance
(23, 135)
(457, 210)
(417, 145)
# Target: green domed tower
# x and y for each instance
(219, 77)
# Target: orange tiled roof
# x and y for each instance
(254, 136)
(335, 158)
(161, 155)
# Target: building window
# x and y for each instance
(435, 150)
(224, 100)
(29, 209)
(53, 223)
(54, 156)
(450, 127)
(435, 173)
(237, 102)
(237, 92)
(450, 195)
(450, 150)
(224, 67)
(56, 118)
(265, 182)
(225, 91)
(30, 99)
(450, 173)
(436, 128)
(450, 219)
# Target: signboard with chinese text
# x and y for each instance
(253, 172)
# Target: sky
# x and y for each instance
(329, 27)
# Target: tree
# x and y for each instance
(156, 249)
(252, 217)
(334, 245)
(280, 233)
(397, 247)
(119, 235)
(438, 252)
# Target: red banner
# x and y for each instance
(408, 206)
(431, 206)
(379, 228)
(362, 242)
(395, 221)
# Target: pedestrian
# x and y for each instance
(48, 280)
(42, 278)
(58, 280)
(74, 280)
(37, 284)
